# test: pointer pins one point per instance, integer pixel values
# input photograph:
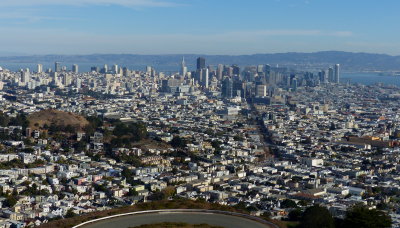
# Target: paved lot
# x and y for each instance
(186, 217)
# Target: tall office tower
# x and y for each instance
(105, 69)
(228, 71)
(227, 88)
(204, 75)
(260, 69)
(220, 70)
(57, 67)
(125, 72)
(267, 70)
(322, 76)
(201, 63)
(236, 70)
(183, 67)
(25, 76)
(94, 69)
(148, 69)
(39, 68)
(54, 77)
(331, 77)
(237, 88)
(294, 84)
(337, 73)
(75, 68)
(78, 83)
(261, 91)
(115, 68)
(66, 79)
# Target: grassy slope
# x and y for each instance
(51, 116)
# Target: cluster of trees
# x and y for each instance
(124, 134)
(32, 190)
(216, 145)
(16, 163)
(95, 122)
(10, 198)
(54, 129)
(358, 216)
(20, 120)
(164, 194)
(178, 142)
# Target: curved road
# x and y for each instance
(209, 217)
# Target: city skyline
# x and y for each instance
(179, 27)
(259, 113)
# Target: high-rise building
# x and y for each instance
(235, 70)
(66, 79)
(94, 69)
(260, 69)
(78, 83)
(115, 69)
(201, 63)
(57, 67)
(183, 67)
(261, 91)
(75, 68)
(227, 88)
(204, 75)
(39, 68)
(267, 70)
(294, 84)
(125, 72)
(149, 69)
(220, 71)
(331, 77)
(323, 76)
(25, 76)
(105, 69)
(54, 77)
(337, 73)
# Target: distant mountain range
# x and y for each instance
(349, 61)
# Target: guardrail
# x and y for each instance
(270, 224)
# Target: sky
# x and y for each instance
(232, 27)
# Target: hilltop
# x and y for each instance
(49, 117)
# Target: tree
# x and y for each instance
(295, 215)
(316, 217)
(178, 142)
(132, 192)
(70, 213)
(361, 216)
(4, 119)
(20, 120)
(288, 203)
(163, 194)
(10, 201)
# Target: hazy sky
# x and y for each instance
(198, 26)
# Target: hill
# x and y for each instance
(50, 117)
